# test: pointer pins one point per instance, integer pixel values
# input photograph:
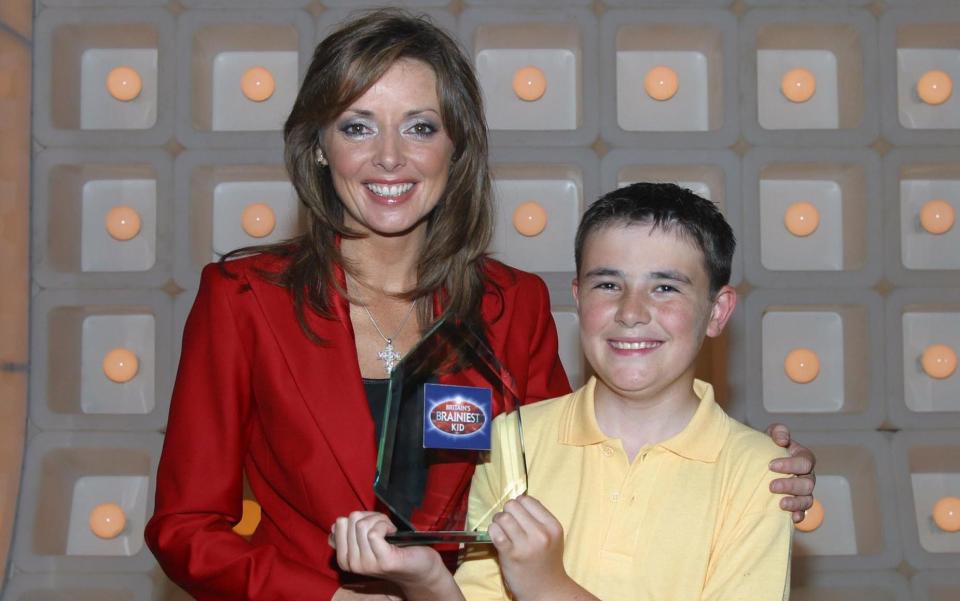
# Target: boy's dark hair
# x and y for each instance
(670, 208)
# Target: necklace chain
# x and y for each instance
(389, 355)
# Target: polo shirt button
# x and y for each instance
(615, 497)
(607, 451)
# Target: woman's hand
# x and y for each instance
(359, 540)
(361, 546)
(529, 541)
(800, 464)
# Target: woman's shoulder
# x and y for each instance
(507, 278)
(245, 267)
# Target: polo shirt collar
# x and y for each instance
(701, 440)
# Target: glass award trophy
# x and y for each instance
(434, 433)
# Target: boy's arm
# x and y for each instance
(752, 555)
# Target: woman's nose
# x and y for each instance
(389, 152)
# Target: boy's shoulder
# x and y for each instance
(745, 442)
(548, 411)
(744, 462)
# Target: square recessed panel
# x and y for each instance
(129, 492)
(571, 355)
(919, 249)
(100, 335)
(913, 112)
(229, 201)
(687, 110)
(924, 393)
(100, 110)
(552, 249)
(837, 534)
(782, 251)
(819, 331)
(555, 110)
(232, 111)
(774, 111)
(928, 488)
(101, 252)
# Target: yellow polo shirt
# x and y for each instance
(691, 518)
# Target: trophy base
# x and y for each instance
(409, 539)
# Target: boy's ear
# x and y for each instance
(575, 289)
(723, 306)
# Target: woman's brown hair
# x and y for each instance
(345, 64)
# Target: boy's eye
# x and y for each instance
(665, 288)
(605, 286)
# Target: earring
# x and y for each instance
(321, 160)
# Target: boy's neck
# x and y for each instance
(645, 419)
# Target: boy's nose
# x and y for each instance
(633, 310)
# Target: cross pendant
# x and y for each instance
(389, 356)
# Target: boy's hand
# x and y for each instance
(362, 549)
(529, 541)
(800, 463)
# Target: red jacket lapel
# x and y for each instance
(328, 377)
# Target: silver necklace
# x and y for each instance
(389, 355)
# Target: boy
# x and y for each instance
(640, 486)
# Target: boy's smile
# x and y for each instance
(643, 297)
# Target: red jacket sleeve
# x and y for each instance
(200, 476)
(545, 375)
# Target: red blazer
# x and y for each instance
(253, 395)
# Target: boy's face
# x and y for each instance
(644, 302)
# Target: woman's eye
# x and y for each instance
(355, 130)
(422, 129)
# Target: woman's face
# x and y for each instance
(389, 154)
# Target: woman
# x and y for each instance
(285, 352)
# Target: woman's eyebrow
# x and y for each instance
(420, 111)
(410, 113)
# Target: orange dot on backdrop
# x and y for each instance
(529, 84)
(798, 85)
(107, 520)
(120, 365)
(934, 87)
(801, 219)
(946, 514)
(258, 220)
(802, 365)
(122, 223)
(530, 218)
(257, 84)
(939, 361)
(813, 517)
(661, 83)
(124, 83)
(937, 216)
(250, 520)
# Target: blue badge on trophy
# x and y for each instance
(456, 417)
